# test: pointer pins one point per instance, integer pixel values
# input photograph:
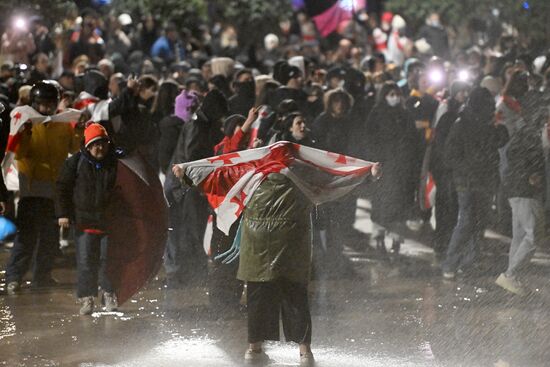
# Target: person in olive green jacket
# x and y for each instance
(275, 261)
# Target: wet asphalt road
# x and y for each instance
(394, 312)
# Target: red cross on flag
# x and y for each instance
(19, 116)
(229, 180)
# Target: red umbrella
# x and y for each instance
(138, 227)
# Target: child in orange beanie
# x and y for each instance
(84, 190)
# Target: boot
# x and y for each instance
(87, 305)
(110, 302)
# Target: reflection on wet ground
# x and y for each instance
(395, 312)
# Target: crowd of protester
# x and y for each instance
(474, 120)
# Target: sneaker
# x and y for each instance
(87, 305)
(13, 287)
(511, 284)
(306, 359)
(110, 302)
(252, 355)
(449, 275)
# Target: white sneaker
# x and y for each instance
(306, 359)
(87, 305)
(13, 287)
(252, 355)
(110, 301)
(511, 285)
(449, 275)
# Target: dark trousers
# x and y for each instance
(37, 237)
(446, 213)
(465, 242)
(266, 300)
(184, 256)
(91, 264)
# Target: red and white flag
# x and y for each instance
(19, 116)
(98, 108)
(229, 180)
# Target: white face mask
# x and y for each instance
(393, 100)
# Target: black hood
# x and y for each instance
(214, 105)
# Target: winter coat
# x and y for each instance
(471, 151)
(444, 124)
(332, 133)
(393, 141)
(136, 127)
(84, 189)
(525, 158)
(240, 104)
(276, 233)
(170, 128)
(197, 140)
(436, 38)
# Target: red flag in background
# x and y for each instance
(332, 15)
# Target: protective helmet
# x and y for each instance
(45, 92)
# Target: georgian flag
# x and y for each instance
(98, 108)
(19, 116)
(229, 180)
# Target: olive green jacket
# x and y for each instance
(276, 233)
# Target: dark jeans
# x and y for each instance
(184, 257)
(266, 300)
(37, 237)
(446, 214)
(91, 264)
(473, 207)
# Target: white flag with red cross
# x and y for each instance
(98, 108)
(19, 117)
(229, 180)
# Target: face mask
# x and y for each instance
(393, 100)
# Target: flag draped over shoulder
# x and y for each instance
(229, 180)
(19, 116)
(98, 108)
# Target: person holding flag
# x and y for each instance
(272, 189)
(40, 140)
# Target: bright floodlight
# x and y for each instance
(463, 75)
(20, 24)
(436, 76)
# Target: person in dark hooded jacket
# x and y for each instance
(188, 210)
(245, 93)
(393, 142)
(471, 151)
(445, 197)
(332, 128)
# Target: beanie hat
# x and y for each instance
(93, 133)
(288, 72)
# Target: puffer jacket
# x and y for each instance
(276, 233)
